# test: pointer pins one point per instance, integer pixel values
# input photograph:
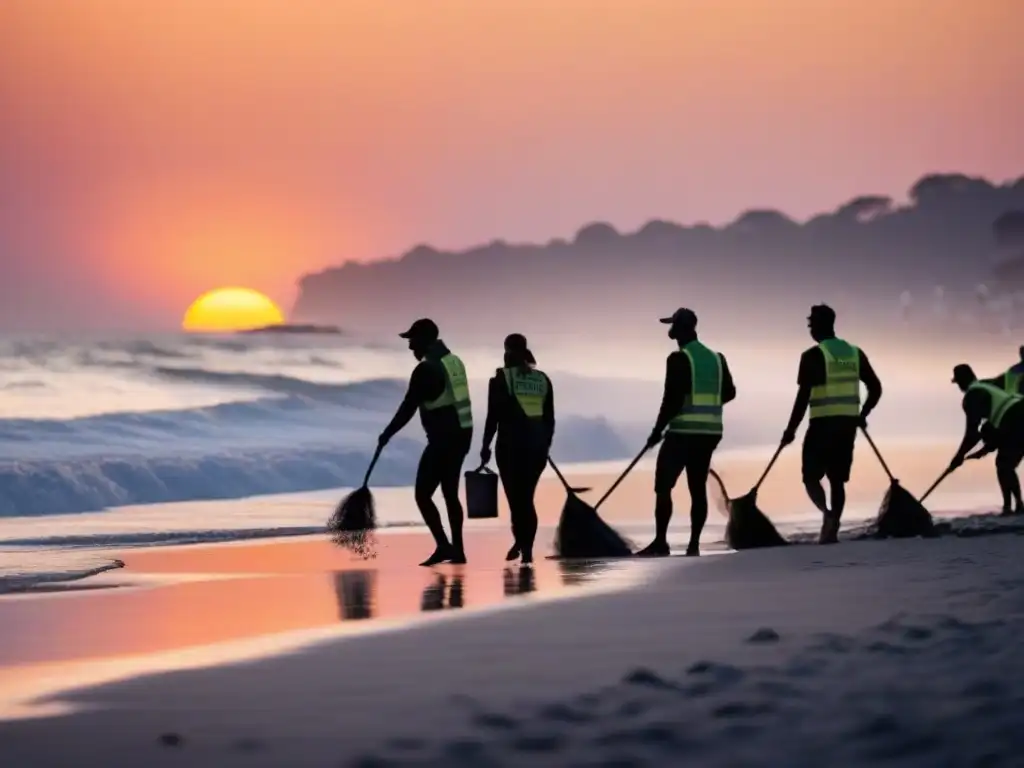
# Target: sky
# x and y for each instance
(153, 150)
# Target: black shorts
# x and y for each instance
(678, 452)
(828, 448)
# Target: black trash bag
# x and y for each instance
(748, 527)
(582, 533)
(353, 523)
(902, 516)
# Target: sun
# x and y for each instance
(231, 309)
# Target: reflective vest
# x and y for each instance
(1000, 399)
(702, 408)
(530, 389)
(456, 391)
(1012, 377)
(840, 394)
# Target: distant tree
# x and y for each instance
(865, 208)
(937, 188)
(598, 233)
(1008, 229)
(763, 220)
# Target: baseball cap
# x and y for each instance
(682, 316)
(962, 370)
(424, 328)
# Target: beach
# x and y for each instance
(291, 652)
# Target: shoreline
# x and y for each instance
(679, 661)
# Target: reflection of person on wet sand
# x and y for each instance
(434, 595)
(355, 594)
(519, 584)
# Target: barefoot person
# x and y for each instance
(521, 409)
(697, 384)
(829, 381)
(995, 415)
(438, 387)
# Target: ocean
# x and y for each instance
(113, 442)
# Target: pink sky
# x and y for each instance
(153, 150)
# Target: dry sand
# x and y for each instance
(865, 653)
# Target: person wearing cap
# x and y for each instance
(997, 417)
(697, 385)
(439, 389)
(1013, 377)
(521, 410)
(828, 381)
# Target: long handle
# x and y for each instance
(935, 485)
(373, 463)
(565, 483)
(621, 477)
(878, 455)
(768, 469)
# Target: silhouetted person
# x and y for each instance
(997, 417)
(1013, 378)
(439, 388)
(697, 385)
(521, 409)
(829, 382)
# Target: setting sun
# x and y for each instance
(231, 309)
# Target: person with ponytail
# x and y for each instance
(521, 410)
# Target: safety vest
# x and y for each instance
(456, 391)
(702, 408)
(1000, 399)
(1012, 377)
(530, 389)
(840, 394)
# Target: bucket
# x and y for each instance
(481, 493)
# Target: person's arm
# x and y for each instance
(421, 386)
(495, 390)
(974, 414)
(549, 412)
(728, 385)
(677, 384)
(873, 384)
(806, 378)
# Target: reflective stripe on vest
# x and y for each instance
(1012, 377)
(530, 389)
(456, 391)
(702, 408)
(840, 394)
(1001, 401)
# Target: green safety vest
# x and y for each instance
(840, 394)
(702, 409)
(456, 391)
(530, 389)
(1012, 377)
(1001, 401)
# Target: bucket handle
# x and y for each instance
(483, 469)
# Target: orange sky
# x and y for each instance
(157, 149)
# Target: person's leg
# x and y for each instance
(813, 469)
(451, 475)
(428, 478)
(839, 463)
(1007, 461)
(670, 463)
(506, 464)
(698, 465)
(528, 525)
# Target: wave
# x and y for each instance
(305, 436)
(50, 570)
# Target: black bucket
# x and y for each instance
(481, 494)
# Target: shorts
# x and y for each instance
(678, 452)
(828, 449)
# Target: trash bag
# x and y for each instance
(582, 533)
(481, 493)
(748, 527)
(353, 523)
(902, 516)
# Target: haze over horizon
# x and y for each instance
(154, 151)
